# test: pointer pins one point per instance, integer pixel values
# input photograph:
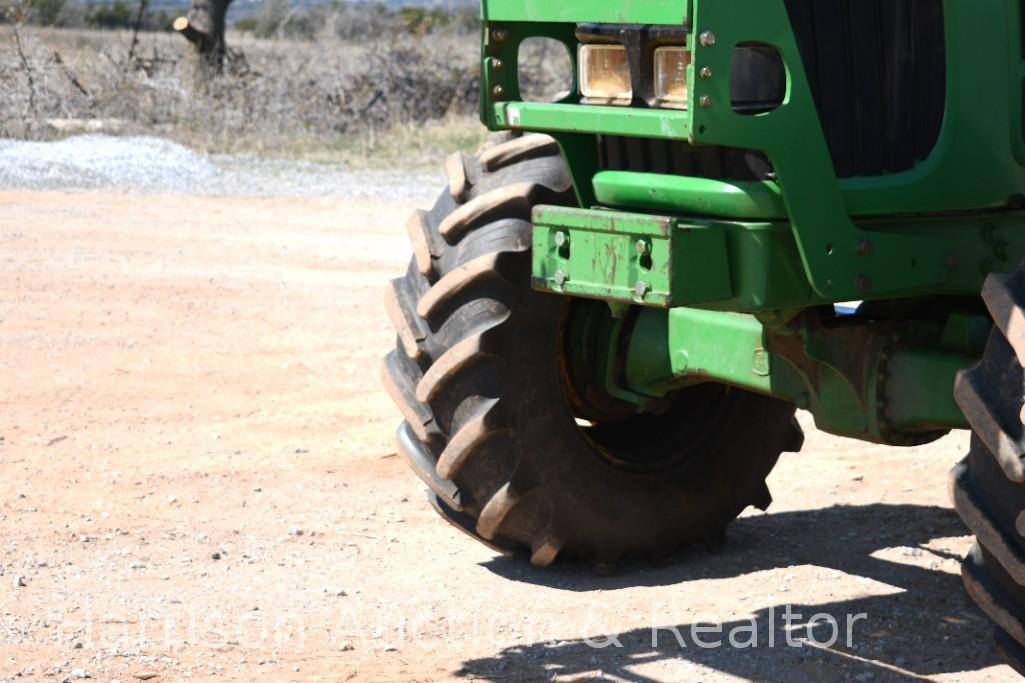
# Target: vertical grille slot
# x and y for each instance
(877, 71)
(676, 157)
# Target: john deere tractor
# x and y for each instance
(740, 208)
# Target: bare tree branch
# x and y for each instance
(59, 61)
(135, 29)
(28, 68)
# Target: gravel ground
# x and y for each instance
(198, 477)
(155, 166)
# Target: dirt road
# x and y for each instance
(197, 480)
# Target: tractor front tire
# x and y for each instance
(479, 377)
(988, 487)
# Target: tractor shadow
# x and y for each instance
(926, 627)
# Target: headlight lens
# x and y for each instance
(605, 74)
(671, 76)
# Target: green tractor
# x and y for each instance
(619, 303)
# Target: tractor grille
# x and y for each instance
(675, 157)
(877, 70)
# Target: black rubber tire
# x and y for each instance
(488, 427)
(988, 486)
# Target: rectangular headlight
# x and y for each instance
(671, 76)
(605, 74)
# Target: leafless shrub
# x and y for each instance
(402, 83)
(271, 92)
(353, 23)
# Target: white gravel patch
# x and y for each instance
(100, 161)
(154, 165)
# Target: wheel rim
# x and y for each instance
(617, 433)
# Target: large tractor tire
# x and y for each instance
(988, 487)
(479, 373)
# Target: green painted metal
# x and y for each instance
(597, 335)
(760, 258)
(743, 200)
(842, 258)
(792, 137)
(724, 347)
(595, 255)
(919, 389)
(718, 265)
(633, 11)
(631, 258)
(589, 118)
(500, 50)
(739, 277)
(897, 389)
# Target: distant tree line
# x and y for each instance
(274, 19)
(117, 14)
(352, 21)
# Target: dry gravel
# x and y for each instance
(199, 481)
(150, 165)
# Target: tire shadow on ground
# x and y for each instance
(927, 627)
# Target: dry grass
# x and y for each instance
(367, 104)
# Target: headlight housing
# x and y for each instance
(605, 74)
(671, 64)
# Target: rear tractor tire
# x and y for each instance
(479, 374)
(988, 487)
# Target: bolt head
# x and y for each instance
(705, 101)
(561, 277)
(642, 288)
(863, 283)
(707, 39)
(499, 34)
(561, 239)
(497, 63)
(864, 247)
(705, 72)
(498, 90)
(642, 247)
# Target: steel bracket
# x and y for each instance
(654, 261)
